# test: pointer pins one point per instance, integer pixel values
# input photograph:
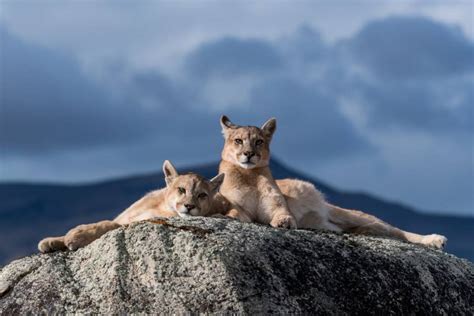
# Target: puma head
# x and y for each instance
(189, 194)
(247, 146)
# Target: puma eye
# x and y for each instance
(238, 141)
(181, 190)
(259, 142)
(202, 195)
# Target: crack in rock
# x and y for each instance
(193, 229)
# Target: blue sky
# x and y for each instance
(369, 96)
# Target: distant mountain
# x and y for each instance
(29, 212)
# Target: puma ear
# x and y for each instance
(216, 182)
(226, 124)
(269, 127)
(170, 172)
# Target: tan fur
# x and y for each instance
(50, 244)
(361, 223)
(199, 195)
(306, 204)
(248, 184)
(255, 196)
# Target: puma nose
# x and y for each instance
(189, 206)
(249, 154)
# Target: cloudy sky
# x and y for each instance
(369, 95)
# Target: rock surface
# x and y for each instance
(219, 265)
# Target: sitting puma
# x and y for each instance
(184, 195)
(256, 197)
(248, 184)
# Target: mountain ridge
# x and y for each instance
(30, 212)
(124, 178)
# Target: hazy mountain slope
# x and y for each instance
(29, 212)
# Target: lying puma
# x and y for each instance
(256, 197)
(184, 195)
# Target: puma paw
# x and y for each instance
(51, 244)
(283, 221)
(435, 241)
(77, 240)
(222, 216)
(83, 235)
(79, 237)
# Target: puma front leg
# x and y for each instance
(278, 212)
(283, 219)
(83, 235)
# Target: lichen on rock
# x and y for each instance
(218, 265)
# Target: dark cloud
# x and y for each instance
(321, 132)
(305, 44)
(417, 75)
(310, 125)
(47, 103)
(407, 74)
(439, 107)
(412, 47)
(160, 90)
(60, 98)
(232, 56)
